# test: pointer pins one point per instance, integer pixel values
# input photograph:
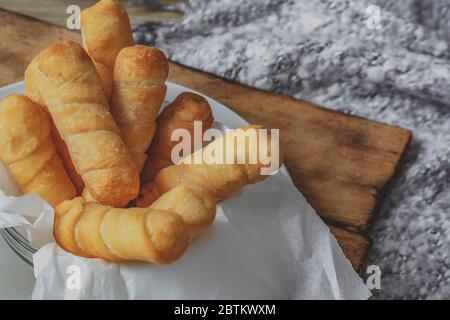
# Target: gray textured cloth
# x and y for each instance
(328, 52)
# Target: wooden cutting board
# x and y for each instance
(342, 164)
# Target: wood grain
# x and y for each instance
(54, 11)
(342, 164)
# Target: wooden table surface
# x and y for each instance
(54, 11)
(342, 164)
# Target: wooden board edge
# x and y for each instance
(383, 192)
(354, 245)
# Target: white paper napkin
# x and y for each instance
(267, 243)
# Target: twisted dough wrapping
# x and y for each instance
(61, 147)
(105, 30)
(28, 151)
(134, 234)
(196, 209)
(66, 81)
(139, 89)
(63, 151)
(180, 114)
(220, 181)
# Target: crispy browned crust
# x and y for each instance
(180, 114)
(133, 234)
(139, 89)
(218, 180)
(70, 88)
(106, 30)
(27, 149)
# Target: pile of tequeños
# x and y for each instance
(86, 137)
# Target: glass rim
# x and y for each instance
(19, 244)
